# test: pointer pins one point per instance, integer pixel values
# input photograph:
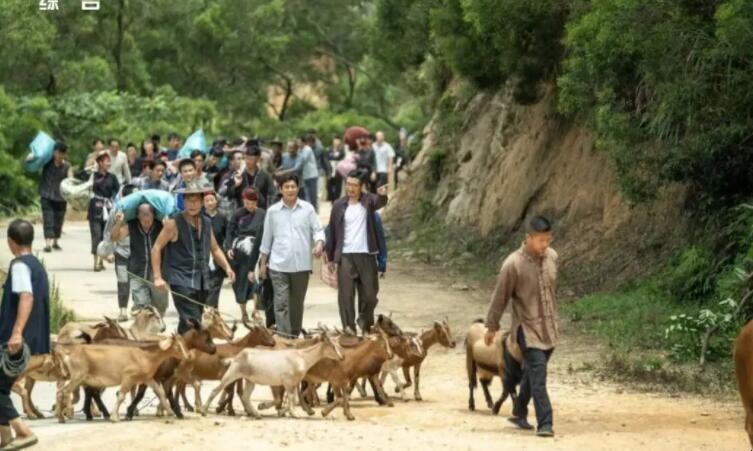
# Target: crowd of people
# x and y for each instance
(248, 214)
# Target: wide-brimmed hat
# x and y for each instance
(195, 188)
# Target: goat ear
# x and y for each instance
(437, 324)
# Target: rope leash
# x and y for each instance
(14, 365)
(194, 301)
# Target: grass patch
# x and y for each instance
(631, 325)
(59, 313)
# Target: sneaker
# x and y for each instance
(522, 423)
(545, 431)
(47, 249)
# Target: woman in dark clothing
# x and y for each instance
(135, 161)
(219, 228)
(242, 244)
(334, 179)
(105, 189)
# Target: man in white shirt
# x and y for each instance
(353, 246)
(119, 167)
(385, 156)
(291, 230)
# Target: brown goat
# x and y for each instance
(502, 359)
(743, 356)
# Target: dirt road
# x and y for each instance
(589, 415)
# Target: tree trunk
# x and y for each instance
(351, 85)
(118, 50)
(288, 94)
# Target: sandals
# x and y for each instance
(21, 443)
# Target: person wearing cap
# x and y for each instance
(219, 228)
(53, 204)
(251, 176)
(291, 231)
(105, 188)
(242, 242)
(189, 243)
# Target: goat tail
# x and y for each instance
(86, 337)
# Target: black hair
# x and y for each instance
(151, 164)
(539, 224)
(311, 131)
(356, 174)
(337, 137)
(186, 162)
(21, 232)
(60, 146)
(97, 140)
(173, 135)
(218, 153)
(196, 153)
(238, 142)
(130, 145)
(234, 152)
(155, 138)
(219, 142)
(253, 151)
(310, 138)
(109, 141)
(288, 177)
(128, 189)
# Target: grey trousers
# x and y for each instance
(289, 292)
(357, 272)
(144, 294)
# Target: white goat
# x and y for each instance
(276, 368)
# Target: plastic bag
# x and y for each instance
(162, 201)
(348, 164)
(77, 192)
(197, 141)
(41, 152)
(328, 274)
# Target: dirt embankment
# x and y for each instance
(509, 162)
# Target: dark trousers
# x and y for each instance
(215, 286)
(7, 410)
(53, 215)
(124, 282)
(289, 292)
(534, 384)
(334, 187)
(97, 231)
(382, 179)
(357, 272)
(312, 191)
(266, 299)
(188, 310)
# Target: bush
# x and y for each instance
(59, 313)
(691, 277)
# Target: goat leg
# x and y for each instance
(406, 374)
(88, 404)
(417, 375)
(398, 384)
(167, 386)
(487, 396)
(157, 388)
(379, 395)
(135, 402)
(20, 388)
(96, 395)
(307, 399)
(248, 388)
(361, 387)
(184, 397)
(345, 400)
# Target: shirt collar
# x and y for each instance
(297, 204)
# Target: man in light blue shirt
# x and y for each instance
(291, 230)
(306, 166)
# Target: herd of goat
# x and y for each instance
(89, 358)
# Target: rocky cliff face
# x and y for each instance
(508, 162)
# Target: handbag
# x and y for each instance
(328, 274)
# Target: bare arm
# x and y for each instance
(168, 234)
